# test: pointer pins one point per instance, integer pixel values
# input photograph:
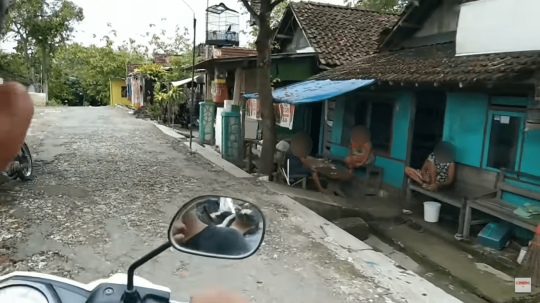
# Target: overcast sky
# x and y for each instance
(132, 19)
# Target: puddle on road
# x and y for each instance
(55, 190)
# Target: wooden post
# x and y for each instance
(243, 108)
(238, 81)
(533, 110)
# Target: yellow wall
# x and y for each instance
(116, 93)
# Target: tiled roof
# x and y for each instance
(233, 52)
(341, 34)
(436, 63)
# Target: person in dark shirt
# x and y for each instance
(191, 233)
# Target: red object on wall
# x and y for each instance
(220, 91)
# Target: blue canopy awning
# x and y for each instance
(313, 91)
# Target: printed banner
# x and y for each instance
(253, 109)
(284, 113)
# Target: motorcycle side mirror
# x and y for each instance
(218, 227)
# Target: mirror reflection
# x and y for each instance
(218, 227)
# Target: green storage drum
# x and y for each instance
(231, 136)
(206, 122)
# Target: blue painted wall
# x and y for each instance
(393, 167)
(530, 159)
(465, 122)
(464, 125)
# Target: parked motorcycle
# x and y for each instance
(22, 166)
(187, 233)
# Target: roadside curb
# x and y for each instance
(208, 153)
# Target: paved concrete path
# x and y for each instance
(107, 185)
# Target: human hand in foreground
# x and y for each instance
(16, 111)
(178, 232)
(218, 295)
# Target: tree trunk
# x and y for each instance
(29, 62)
(264, 89)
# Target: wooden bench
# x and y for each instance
(458, 195)
(493, 204)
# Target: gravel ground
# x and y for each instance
(107, 185)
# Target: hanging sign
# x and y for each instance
(284, 113)
(253, 109)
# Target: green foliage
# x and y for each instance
(54, 103)
(180, 66)
(13, 67)
(382, 6)
(153, 71)
(155, 111)
(171, 46)
(275, 19)
(80, 75)
(44, 26)
(92, 67)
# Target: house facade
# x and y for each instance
(425, 94)
(119, 93)
(313, 38)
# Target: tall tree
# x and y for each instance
(177, 44)
(275, 18)
(382, 6)
(43, 25)
(93, 67)
(262, 18)
(22, 15)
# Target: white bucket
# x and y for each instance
(431, 211)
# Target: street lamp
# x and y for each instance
(192, 77)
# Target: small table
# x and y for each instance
(334, 175)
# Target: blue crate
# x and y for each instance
(495, 235)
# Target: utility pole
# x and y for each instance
(45, 61)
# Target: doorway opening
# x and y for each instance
(428, 125)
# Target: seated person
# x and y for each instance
(301, 145)
(189, 232)
(438, 170)
(361, 152)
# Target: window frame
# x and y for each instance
(487, 138)
(122, 90)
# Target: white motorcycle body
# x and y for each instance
(63, 285)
